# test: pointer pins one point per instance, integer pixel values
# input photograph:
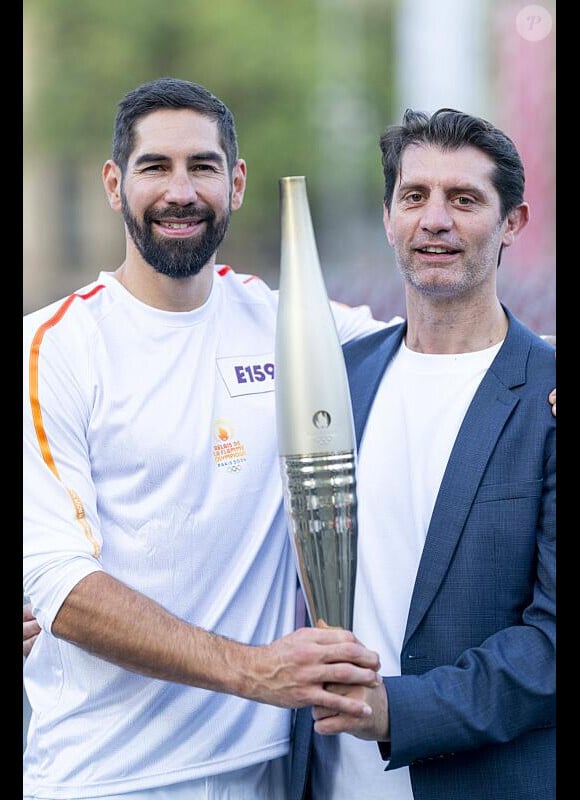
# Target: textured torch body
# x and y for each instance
(316, 441)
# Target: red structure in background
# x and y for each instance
(525, 93)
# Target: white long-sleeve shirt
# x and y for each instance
(150, 453)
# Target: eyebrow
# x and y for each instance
(460, 188)
(207, 155)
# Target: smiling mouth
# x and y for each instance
(178, 225)
(182, 227)
(438, 251)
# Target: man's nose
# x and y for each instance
(436, 215)
(181, 188)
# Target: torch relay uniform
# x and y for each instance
(149, 453)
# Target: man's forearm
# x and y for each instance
(116, 623)
(111, 620)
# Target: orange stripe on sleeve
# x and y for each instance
(37, 411)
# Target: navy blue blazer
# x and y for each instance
(473, 712)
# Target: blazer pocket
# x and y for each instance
(490, 492)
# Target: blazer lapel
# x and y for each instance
(491, 406)
(469, 456)
(366, 361)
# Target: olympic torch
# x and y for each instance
(316, 440)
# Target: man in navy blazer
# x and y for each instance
(456, 499)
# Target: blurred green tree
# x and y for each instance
(283, 68)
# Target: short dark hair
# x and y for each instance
(450, 130)
(171, 93)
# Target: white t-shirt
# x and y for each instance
(412, 426)
(150, 453)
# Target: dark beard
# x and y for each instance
(176, 258)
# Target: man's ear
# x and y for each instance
(516, 221)
(112, 178)
(238, 184)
